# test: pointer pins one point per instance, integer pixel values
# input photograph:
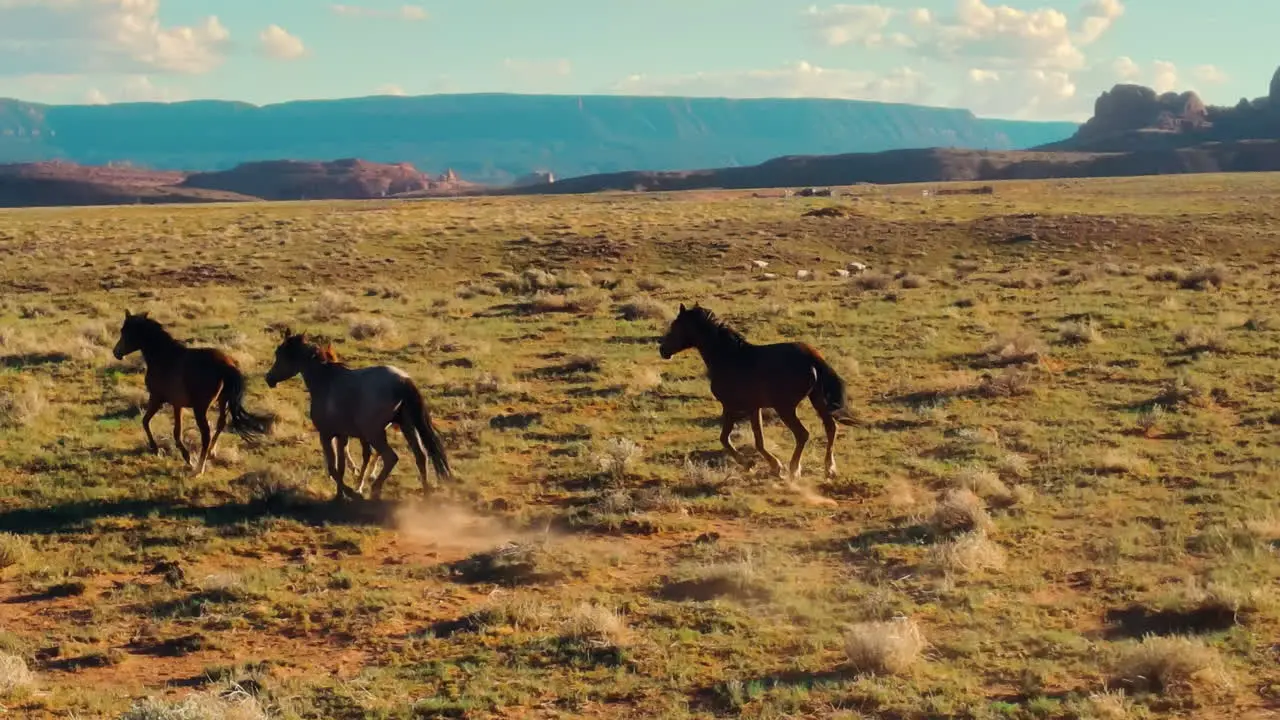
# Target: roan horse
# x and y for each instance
(188, 377)
(747, 378)
(361, 403)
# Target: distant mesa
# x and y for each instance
(296, 180)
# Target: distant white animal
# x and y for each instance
(857, 267)
(761, 264)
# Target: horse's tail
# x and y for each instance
(830, 385)
(416, 408)
(242, 422)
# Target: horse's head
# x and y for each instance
(130, 334)
(682, 334)
(291, 355)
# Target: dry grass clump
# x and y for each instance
(1183, 390)
(1172, 665)
(1014, 348)
(231, 704)
(1149, 420)
(1118, 462)
(582, 301)
(1080, 333)
(1106, 705)
(1202, 339)
(1024, 281)
(1165, 274)
(15, 677)
(984, 483)
(596, 627)
(330, 306)
(1207, 276)
(872, 280)
(644, 307)
(884, 648)
(521, 611)
(959, 511)
(14, 549)
(371, 328)
(1009, 382)
(617, 456)
(911, 281)
(643, 379)
(528, 282)
(21, 404)
(969, 553)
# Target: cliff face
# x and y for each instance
(495, 138)
(1131, 118)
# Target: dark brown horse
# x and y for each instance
(185, 377)
(747, 378)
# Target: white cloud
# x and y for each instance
(135, 88)
(797, 80)
(994, 35)
(850, 24)
(390, 89)
(1025, 94)
(1165, 77)
(103, 36)
(95, 97)
(404, 12)
(1210, 75)
(1126, 69)
(537, 69)
(276, 42)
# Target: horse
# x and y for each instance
(329, 355)
(187, 377)
(351, 402)
(746, 378)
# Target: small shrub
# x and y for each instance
(984, 483)
(1171, 665)
(911, 281)
(617, 456)
(231, 704)
(959, 511)
(370, 328)
(1209, 276)
(15, 677)
(887, 648)
(968, 553)
(1015, 347)
(14, 549)
(595, 627)
(1009, 382)
(1201, 339)
(1165, 274)
(1149, 419)
(330, 306)
(644, 308)
(872, 280)
(20, 405)
(1080, 333)
(1118, 462)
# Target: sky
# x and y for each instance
(1037, 59)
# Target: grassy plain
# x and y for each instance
(1060, 500)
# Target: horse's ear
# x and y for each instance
(682, 308)
(127, 314)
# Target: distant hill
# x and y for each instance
(933, 165)
(495, 138)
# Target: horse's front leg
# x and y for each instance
(726, 438)
(331, 463)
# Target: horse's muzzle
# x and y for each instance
(665, 353)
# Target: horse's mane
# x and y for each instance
(151, 332)
(316, 349)
(718, 330)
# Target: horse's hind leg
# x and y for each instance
(223, 411)
(788, 416)
(828, 424)
(389, 459)
(153, 407)
(202, 423)
(331, 464)
(757, 429)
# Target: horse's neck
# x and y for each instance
(162, 351)
(718, 353)
(318, 374)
